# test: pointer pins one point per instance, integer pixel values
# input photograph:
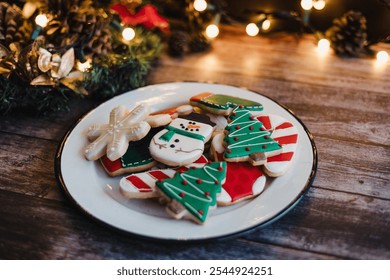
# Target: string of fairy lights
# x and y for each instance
(252, 29)
(264, 23)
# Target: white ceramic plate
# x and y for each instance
(85, 182)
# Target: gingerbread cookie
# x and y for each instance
(181, 142)
(113, 138)
(247, 139)
(143, 185)
(220, 104)
(286, 134)
(243, 180)
(191, 193)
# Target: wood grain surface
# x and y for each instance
(345, 103)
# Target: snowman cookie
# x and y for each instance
(182, 141)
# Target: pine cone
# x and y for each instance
(12, 25)
(77, 21)
(178, 43)
(100, 43)
(199, 43)
(348, 34)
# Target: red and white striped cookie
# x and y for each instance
(243, 180)
(142, 185)
(286, 134)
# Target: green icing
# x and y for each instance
(196, 196)
(172, 130)
(225, 102)
(245, 136)
(138, 151)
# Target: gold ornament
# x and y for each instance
(58, 69)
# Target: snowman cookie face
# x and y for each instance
(180, 143)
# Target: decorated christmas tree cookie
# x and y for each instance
(220, 104)
(247, 139)
(191, 193)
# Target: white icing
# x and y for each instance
(180, 149)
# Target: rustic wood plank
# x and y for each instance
(54, 230)
(51, 127)
(335, 223)
(353, 167)
(27, 166)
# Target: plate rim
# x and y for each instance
(280, 214)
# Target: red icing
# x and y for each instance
(281, 157)
(266, 121)
(200, 97)
(284, 125)
(289, 139)
(158, 174)
(111, 166)
(240, 178)
(139, 184)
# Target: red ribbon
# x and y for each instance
(148, 16)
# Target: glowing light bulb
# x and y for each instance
(212, 31)
(128, 33)
(252, 29)
(41, 20)
(266, 24)
(319, 5)
(382, 57)
(307, 4)
(200, 5)
(323, 46)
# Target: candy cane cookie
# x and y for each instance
(286, 134)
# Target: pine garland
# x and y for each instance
(123, 67)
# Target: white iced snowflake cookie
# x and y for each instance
(113, 138)
(181, 142)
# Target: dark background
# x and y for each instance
(376, 12)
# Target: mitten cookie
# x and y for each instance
(191, 193)
(220, 104)
(113, 138)
(243, 180)
(286, 134)
(182, 141)
(247, 139)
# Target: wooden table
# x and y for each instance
(345, 103)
